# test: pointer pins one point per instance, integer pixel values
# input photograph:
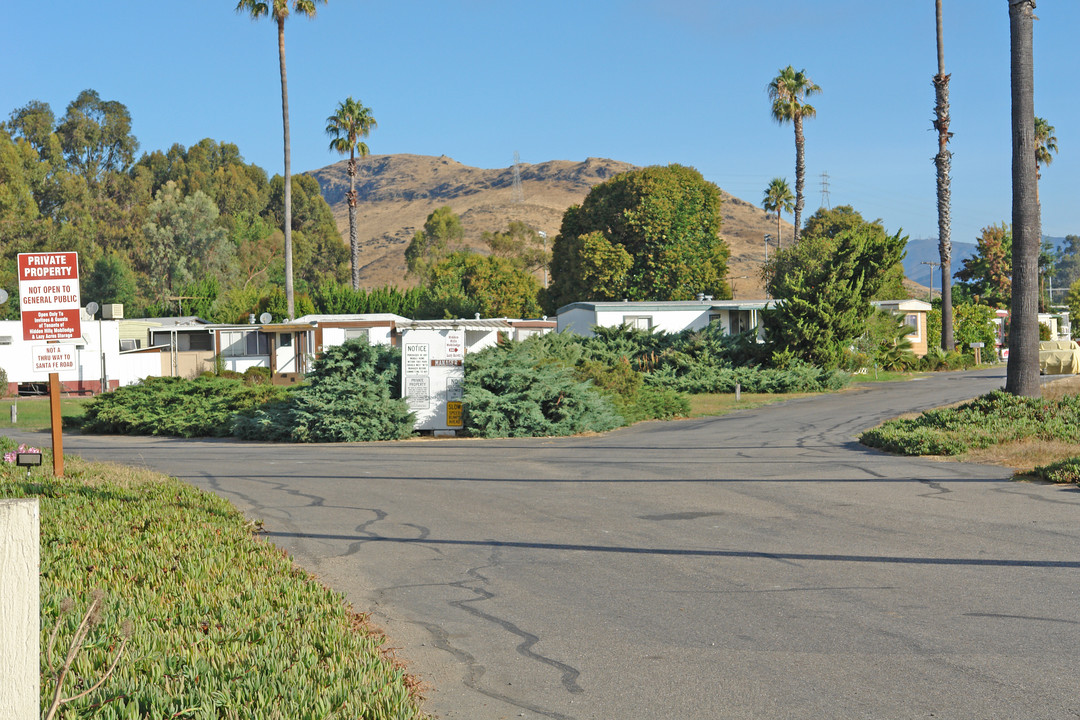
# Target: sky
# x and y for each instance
(649, 82)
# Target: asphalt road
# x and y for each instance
(757, 565)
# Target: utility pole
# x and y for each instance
(932, 265)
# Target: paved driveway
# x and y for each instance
(758, 565)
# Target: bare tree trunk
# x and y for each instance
(800, 174)
(287, 229)
(943, 161)
(354, 243)
(1023, 373)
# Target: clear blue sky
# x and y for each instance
(642, 81)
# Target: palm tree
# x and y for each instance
(778, 199)
(788, 92)
(1045, 148)
(943, 161)
(279, 10)
(346, 126)
(1022, 376)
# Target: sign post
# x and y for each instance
(51, 312)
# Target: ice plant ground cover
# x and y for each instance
(222, 624)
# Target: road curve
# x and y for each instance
(756, 565)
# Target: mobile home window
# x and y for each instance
(244, 342)
(638, 322)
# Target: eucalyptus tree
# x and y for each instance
(279, 11)
(350, 122)
(943, 161)
(1022, 376)
(788, 92)
(778, 199)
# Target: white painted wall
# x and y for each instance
(135, 367)
(20, 614)
(16, 358)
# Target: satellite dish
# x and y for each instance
(92, 308)
(265, 318)
(3, 297)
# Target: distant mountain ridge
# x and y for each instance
(396, 193)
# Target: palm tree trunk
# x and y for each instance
(800, 174)
(1022, 377)
(944, 167)
(779, 238)
(287, 229)
(354, 243)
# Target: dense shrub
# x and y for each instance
(352, 394)
(525, 390)
(174, 406)
(1063, 471)
(991, 419)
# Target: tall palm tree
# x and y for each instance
(1045, 148)
(788, 92)
(346, 126)
(778, 199)
(279, 10)
(943, 161)
(1022, 376)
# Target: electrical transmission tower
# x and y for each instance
(519, 194)
(825, 191)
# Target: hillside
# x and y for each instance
(397, 192)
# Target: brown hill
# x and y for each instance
(396, 193)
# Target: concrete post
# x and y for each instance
(20, 613)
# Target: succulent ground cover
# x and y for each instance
(1039, 437)
(202, 618)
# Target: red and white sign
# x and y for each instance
(49, 296)
(54, 358)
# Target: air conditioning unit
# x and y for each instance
(112, 311)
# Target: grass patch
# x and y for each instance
(1037, 437)
(33, 412)
(708, 404)
(222, 624)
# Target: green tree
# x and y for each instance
(520, 243)
(111, 280)
(823, 306)
(820, 234)
(778, 199)
(1067, 262)
(442, 235)
(96, 137)
(318, 251)
(350, 122)
(466, 283)
(279, 10)
(1073, 301)
(987, 275)
(665, 220)
(184, 241)
(943, 163)
(788, 92)
(1045, 145)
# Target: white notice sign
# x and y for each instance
(417, 360)
(53, 358)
